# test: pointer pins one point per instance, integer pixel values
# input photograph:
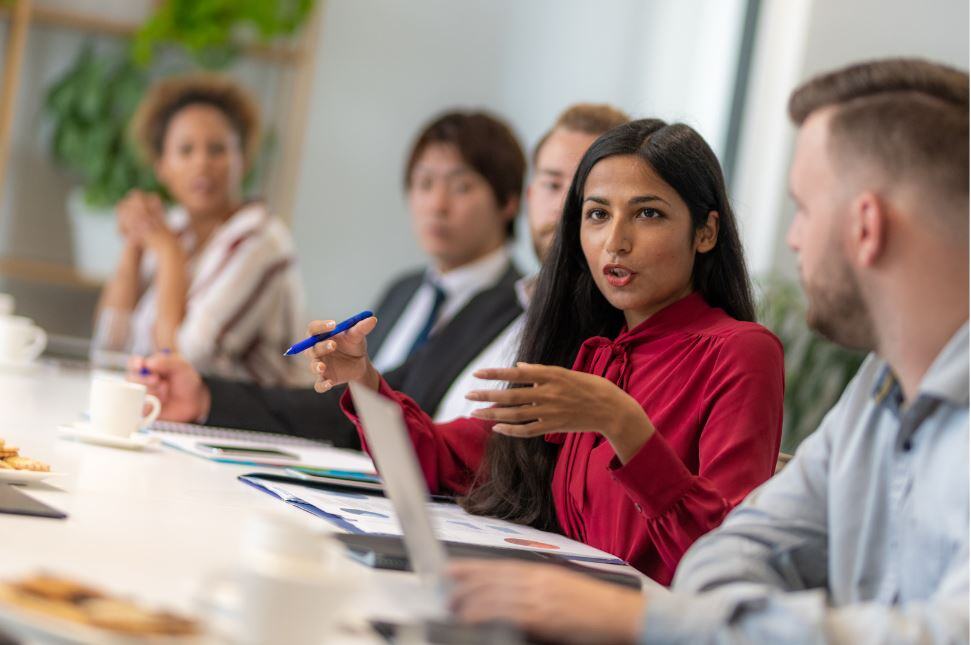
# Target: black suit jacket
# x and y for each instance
(425, 377)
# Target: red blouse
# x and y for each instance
(711, 385)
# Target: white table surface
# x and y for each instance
(151, 525)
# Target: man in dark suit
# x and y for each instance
(463, 180)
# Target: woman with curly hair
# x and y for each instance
(213, 275)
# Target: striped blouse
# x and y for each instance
(245, 300)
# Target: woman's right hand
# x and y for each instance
(139, 213)
(342, 358)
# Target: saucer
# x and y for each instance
(82, 431)
(9, 365)
(25, 476)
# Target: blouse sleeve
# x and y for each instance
(741, 423)
(449, 453)
(250, 288)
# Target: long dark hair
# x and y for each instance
(514, 478)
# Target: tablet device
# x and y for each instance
(14, 502)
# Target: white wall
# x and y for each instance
(385, 67)
(800, 38)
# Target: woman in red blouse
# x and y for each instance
(646, 403)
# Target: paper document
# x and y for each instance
(374, 514)
(315, 456)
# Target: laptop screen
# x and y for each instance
(404, 484)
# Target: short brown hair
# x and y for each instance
(167, 97)
(485, 143)
(588, 118)
(909, 117)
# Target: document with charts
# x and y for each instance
(373, 514)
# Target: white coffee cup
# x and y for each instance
(118, 407)
(21, 341)
(6, 304)
(290, 586)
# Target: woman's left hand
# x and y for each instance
(545, 600)
(145, 221)
(562, 400)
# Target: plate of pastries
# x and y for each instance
(54, 608)
(16, 468)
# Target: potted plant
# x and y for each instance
(91, 104)
(816, 370)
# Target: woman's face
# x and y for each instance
(201, 164)
(454, 212)
(638, 238)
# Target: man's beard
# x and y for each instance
(836, 308)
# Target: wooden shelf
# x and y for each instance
(80, 21)
(47, 272)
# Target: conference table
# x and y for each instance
(153, 524)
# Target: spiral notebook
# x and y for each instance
(216, 432)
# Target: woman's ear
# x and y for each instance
(707, 235)
(159, 168)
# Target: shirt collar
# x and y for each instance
(471, 277)
(946, 379)
(525, 288)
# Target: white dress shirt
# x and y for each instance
(460, 285)
(501, 352)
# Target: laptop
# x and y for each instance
(422, 550)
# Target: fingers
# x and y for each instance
(525, 430)
(166, 363)
(320, 327)
(510, 396)
(513, 414)
(323, 348)
(135, 364)
(522, 373)
(362, 329)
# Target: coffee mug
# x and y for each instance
(290, 585)
(21, 341)
(117, 406)
(6, 304)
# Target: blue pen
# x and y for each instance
(307, 343)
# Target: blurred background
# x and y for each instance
(345, 84)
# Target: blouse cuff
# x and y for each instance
(347, 401)
(655, 478)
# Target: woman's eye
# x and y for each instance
(650, 213)
(552, 186)
(217, 148)
(185, 150)
(597, 214)
(462, 187)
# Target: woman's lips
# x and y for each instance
(618, 275)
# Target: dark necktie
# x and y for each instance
(426, 329)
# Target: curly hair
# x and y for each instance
(167, 97)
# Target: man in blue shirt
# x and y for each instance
(863, 537)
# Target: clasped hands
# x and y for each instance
(141, 220)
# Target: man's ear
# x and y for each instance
(510, 209)
(707, 236)
(868, 228)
